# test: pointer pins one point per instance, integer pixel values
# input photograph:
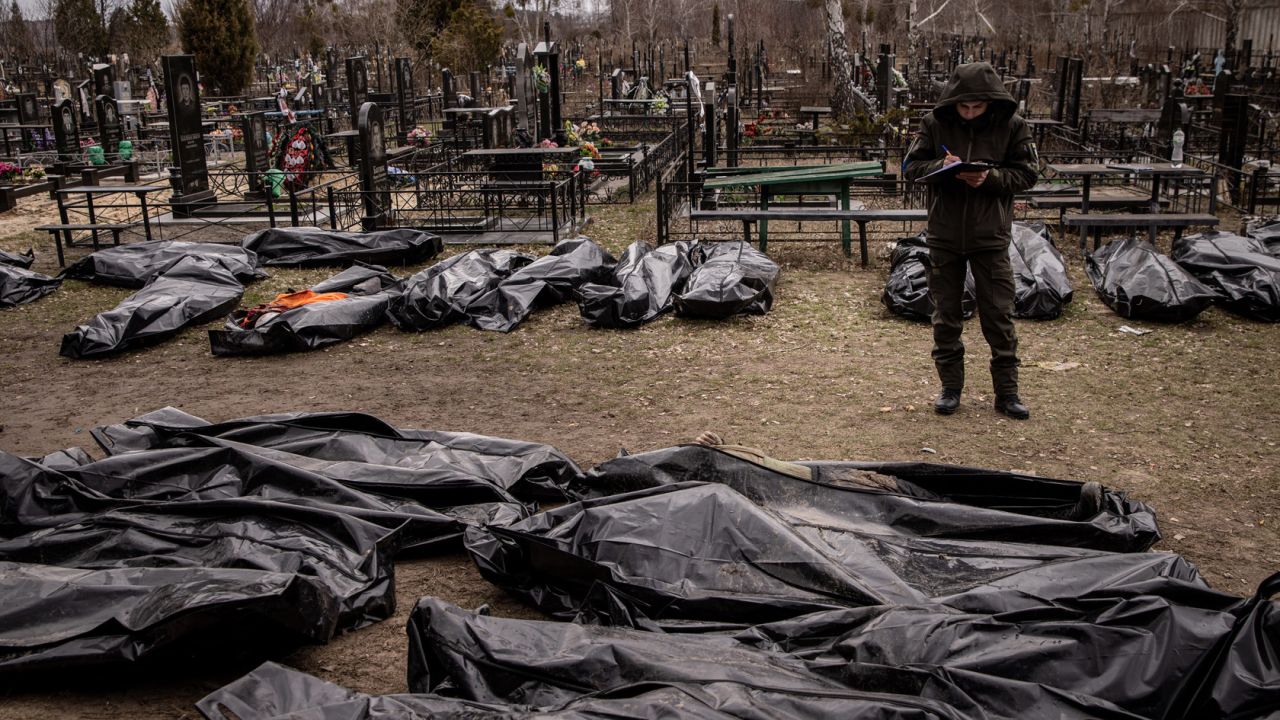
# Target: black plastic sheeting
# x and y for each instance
(314, 325)
(190, 291)
(1040, 283)
(451, 462)
(1137, 282)
(733, 278)
(549, 280)
(990, 593)
(1268, 233)
(906, 293)
(309, 246)
(1241, 269)
(643, 285)
(22, 260)
(441, 294)
(19, 286)
(133, 265)
(280, 527)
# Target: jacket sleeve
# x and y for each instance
(921, 159)
(1019, 168)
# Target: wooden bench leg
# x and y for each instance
(57, 242)
(862, 242)
(746, 233)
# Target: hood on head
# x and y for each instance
(972, 82)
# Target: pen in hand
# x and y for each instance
(949, 159)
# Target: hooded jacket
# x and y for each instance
(961, 218)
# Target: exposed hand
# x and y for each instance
(973, 178)
(949, 159)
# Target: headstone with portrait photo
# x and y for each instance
(257, 152)
(104, 79)
(110, 129)
(186, 136)
(357, 84)
(374, 185)
(66, 132)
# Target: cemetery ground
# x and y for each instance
(1184, 417)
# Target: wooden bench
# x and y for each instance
(862, 217)
(1151, 221)
(58, 231)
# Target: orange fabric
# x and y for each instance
(288, 301)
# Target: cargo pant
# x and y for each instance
(993, 285)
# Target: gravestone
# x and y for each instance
(1174, 115)
(110, 130)
(28, 112)
(66, 133)
(61, 90)
(710, 139)
(1235, 130)
(104, 79)
(257, 152)
(731, 130)
(550, 124)
(85, 101)
(615, 84)
(1075, 82)
(1060, 89)
(357, 84)
(524, 88)
(404, 99)
(190, 174)
(374, 185)
(331, 75)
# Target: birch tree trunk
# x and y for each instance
(843, 103)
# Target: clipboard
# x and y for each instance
(961, 166)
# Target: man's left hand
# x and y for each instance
(973, 178)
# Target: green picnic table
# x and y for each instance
(797, 180)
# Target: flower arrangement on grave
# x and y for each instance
(579, 66)
(419, 136)
(9, 173)
(548, 143)
(299, 153)
(587, 149)
(660, 103)
(34, 173)
(541, 78)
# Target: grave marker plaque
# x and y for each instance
(374, 186)
(256, 151)
(66, 132)
(186, 136)
(404, 99)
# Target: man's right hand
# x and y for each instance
(949, 159)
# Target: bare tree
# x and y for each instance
(843, 100)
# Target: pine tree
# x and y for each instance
(148, 31)
(20, 44)
(220, 33)
(78, 27)
(471, 40)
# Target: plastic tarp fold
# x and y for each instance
(450, 462)
(133, 265)
(120, 585)
(19, 286)
(315, 325)
(733, 278)
(1137, 282)
(310, 246)
(1040, 283)
(1241, 269)
(1268, 232)
(22, 260)
(906, 292)
(643, 285)
(282, 526)
(190, 291)
(441, 294)
(549, 280)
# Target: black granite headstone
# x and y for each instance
(374, 186)
(257, 153)
(66, 131)
(357, 84)
(110, 131)
(404, 99)
(186, 135)
(104, 80)
(27, 110)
